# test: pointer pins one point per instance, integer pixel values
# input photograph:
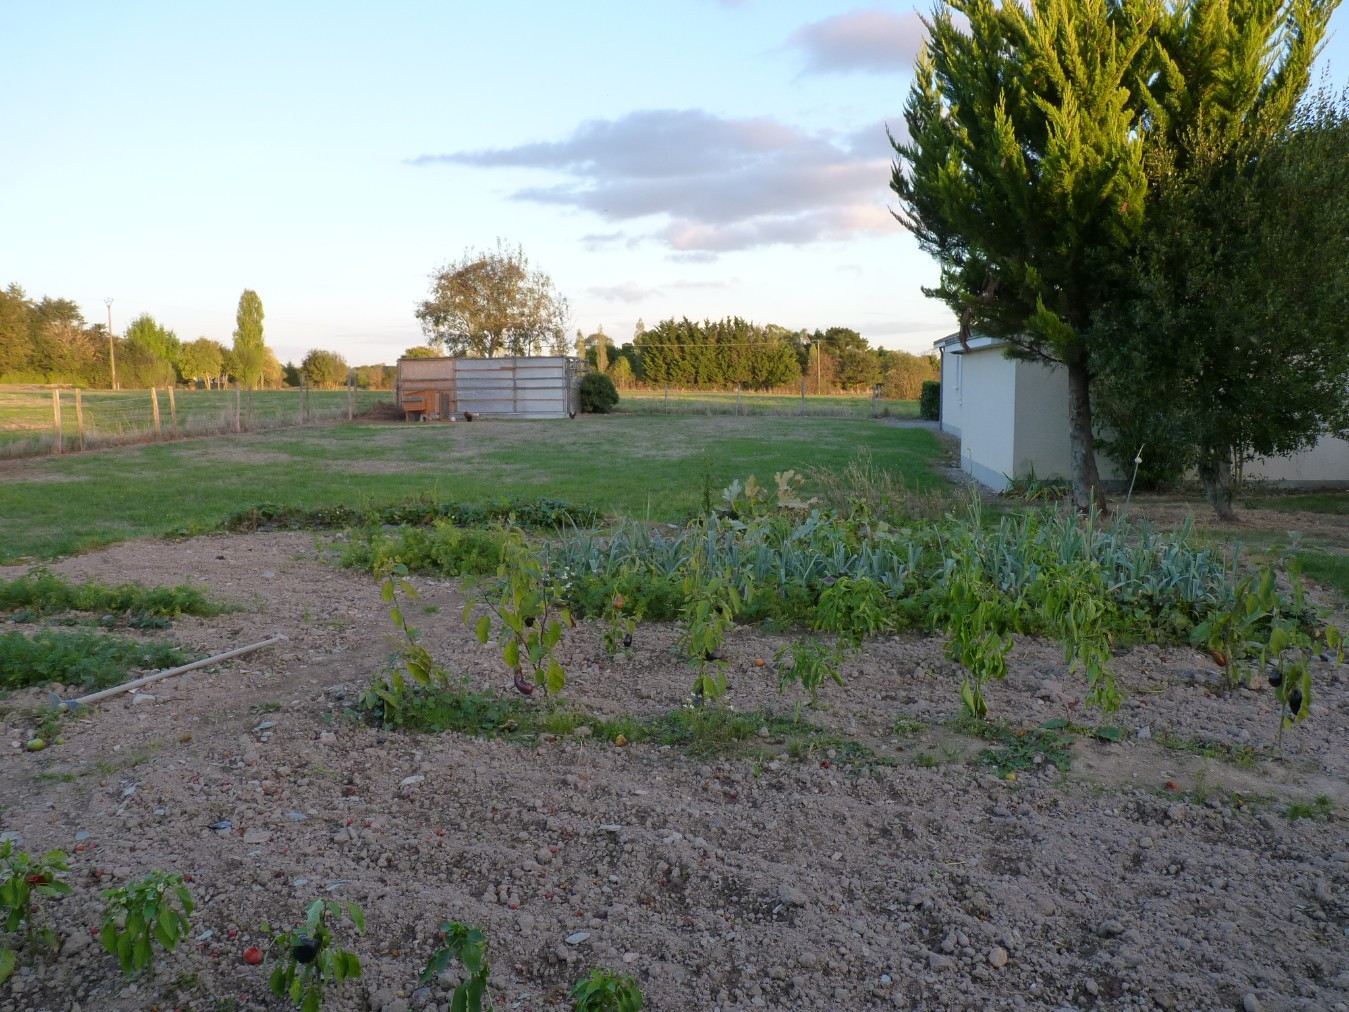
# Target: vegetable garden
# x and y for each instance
(827, 744)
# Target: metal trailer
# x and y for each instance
(442, 389)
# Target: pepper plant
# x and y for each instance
(605, 991)
(310, 960)
(25, 883)
(469, 946)
(155, 908)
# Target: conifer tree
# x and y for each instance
(1025, 170)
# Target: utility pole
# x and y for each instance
(112, 353)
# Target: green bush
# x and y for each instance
(598, 394)
(929, 401)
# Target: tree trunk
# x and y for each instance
(1215, 471)
(1087, 491)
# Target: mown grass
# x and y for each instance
(652, 467)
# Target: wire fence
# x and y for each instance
(50, 420)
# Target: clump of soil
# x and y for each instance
(1161, 871)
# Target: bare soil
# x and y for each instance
(1151, 875)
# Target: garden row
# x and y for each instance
(308, 961)
(839, 576)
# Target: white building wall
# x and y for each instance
(1326, 463)
(988, 414)
(1042, 443)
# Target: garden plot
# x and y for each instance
(881, 859)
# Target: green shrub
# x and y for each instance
(598, 394)
(929, 401)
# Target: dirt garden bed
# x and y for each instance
(1160, 871)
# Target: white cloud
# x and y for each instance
(867, 41)
(722, 184)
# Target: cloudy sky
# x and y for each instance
(675, 157)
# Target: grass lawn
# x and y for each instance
(1336, 503)
(27, 414)
(643, 466)
(712, 402)
(1330, 569)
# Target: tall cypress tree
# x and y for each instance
(1030, 132)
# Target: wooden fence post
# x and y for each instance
(56, 413)
(154, 409)
(79, 415)
(803, 398)
(238, 408)
(351, 398)
(173, 409)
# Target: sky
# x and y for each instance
(700, 158)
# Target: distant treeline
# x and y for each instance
(49, 341)
(719, 355)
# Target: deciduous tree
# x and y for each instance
(248, 360)
(492, 303)
(202, 361)
(325, 368)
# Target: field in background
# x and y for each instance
(712, 402)
(28, 415)
(655, 467)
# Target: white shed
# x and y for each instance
(1012, 419)
(521, 387)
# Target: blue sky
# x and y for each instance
(676, 157)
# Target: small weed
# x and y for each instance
(907, 727)
(1320, 808)
(1021, 750)
(926, 760)
(1208, 748)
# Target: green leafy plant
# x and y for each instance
(976, 637)
(310, 960)
(26, 882)
(389, 695)
(156, 908)
(605, 991)
(707, 617)
(810, 662)
(529, 616)
(1264, 629)
(469, 946)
